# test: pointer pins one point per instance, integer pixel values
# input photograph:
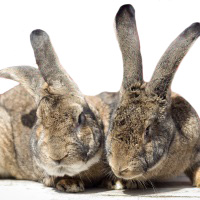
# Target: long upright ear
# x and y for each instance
(130, 46)
(52, 71)
(29, 77)
(161, 80)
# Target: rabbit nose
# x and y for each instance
(85, 159)
(85, 156)
(58, 161)
(120, 171)
(123, 171)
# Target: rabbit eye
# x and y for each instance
(147, 134)
(122, 122)
(81, 118)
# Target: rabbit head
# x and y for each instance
(67, 136)
(142, 128)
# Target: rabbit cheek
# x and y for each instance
(154, 155)
(84, 134)
(90, 138)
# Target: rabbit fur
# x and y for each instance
(151, 132)
(154, 133)
(49, 131)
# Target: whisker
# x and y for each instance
(154, 189)
(135, 182)
(87, 176)
(142, 184)
(81, 179)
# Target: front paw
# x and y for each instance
(121, 184)
(48, 181)
(113, 184)
(196, 181)
(70, 185)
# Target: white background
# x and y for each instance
(83, 36)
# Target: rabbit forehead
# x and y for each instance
(58, 106)
(63, 101)
(138, 107)
(133, 116)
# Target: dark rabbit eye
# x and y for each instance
(147, 134)
(81, 118)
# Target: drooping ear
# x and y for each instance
(29, 77)
(162, 78)
(53, 73)
(130, 46)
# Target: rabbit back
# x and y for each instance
(17, 119)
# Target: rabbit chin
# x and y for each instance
(73, 169)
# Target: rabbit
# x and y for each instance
(105, 103)
(49, 131)
(154, 133)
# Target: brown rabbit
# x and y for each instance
(154, 133)
(48, 128)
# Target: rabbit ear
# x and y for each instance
(130, 46)
(52, 71)
(169, 62)
(29, 77)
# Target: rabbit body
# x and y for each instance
(15, 136)
(50, 131)
(17, 117)
(180, 153)
(154, 133)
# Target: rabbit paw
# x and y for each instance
(196, 181)
(48, 181)
(70, 185)
(132, 185)
(114, 185)
(119, 184)
(194, 176)
(198, 184)
(123, 184)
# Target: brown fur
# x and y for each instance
(15, 152)
(131, 155)
(66, 139)
(154, 133)
(47, 136)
